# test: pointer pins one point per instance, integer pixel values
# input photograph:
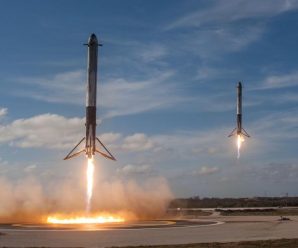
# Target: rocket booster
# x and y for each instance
(239, 108)
(239, 130)
(90, 139)
(91, 95)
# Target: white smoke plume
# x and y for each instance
(30, 200)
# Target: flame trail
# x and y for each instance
(240, 139)
(89, 174)
(85, 220)
(88, 218)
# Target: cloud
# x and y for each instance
(30, 168)
(3, 112)
(46, 130)
(209, 44)
(279, 126)
(191, 144)
(110, 138)
(206, 170)
(65, 87)
(220, 12)
(280, 81)
(153, 52)
(118, 96)
(122, 97)
(130, 169)
(53, 131)
(275, 172)
(223, 27)
(137, 142)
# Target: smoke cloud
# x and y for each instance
(32, 200)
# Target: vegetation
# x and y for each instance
(197, 202)
(266, 212)
(285, 243)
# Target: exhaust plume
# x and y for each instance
(29, 200)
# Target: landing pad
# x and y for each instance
(152, 232)
(153, 224)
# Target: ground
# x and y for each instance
(288, 243)
(224, 229)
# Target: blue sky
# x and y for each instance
(166, 101)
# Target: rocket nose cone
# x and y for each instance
(92, 39)
(239, 84)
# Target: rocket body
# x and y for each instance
(239, 108)
(91, 96)
(239, 130)
(90, 139)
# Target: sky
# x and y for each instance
(168, 72)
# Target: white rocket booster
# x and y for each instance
(90, 139)
(239, 130)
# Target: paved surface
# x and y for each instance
(233, 229)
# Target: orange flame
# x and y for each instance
(89, 218)
(100, 219)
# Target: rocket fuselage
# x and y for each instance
(90, 138)
(239, 108)
(91, 96)
(239, 130)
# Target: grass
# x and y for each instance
(284, 243)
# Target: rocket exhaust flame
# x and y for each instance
(89, 174)
(89, 218)
(240, 139)
(100, 219)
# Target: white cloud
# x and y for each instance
(58, 132)
(122, 97)
(66, 87)
(117, 96)
(185, 148)
(53, 131)
(137, 142)
(280, 81)
(30, 168)
(130, 169)
(276, 172)
(226, 26)
(3, 112)
(206, 170)
(46, 130)
(278, 126)
(222, 11)
(153, 52)
(211, 43)
(109, 138)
